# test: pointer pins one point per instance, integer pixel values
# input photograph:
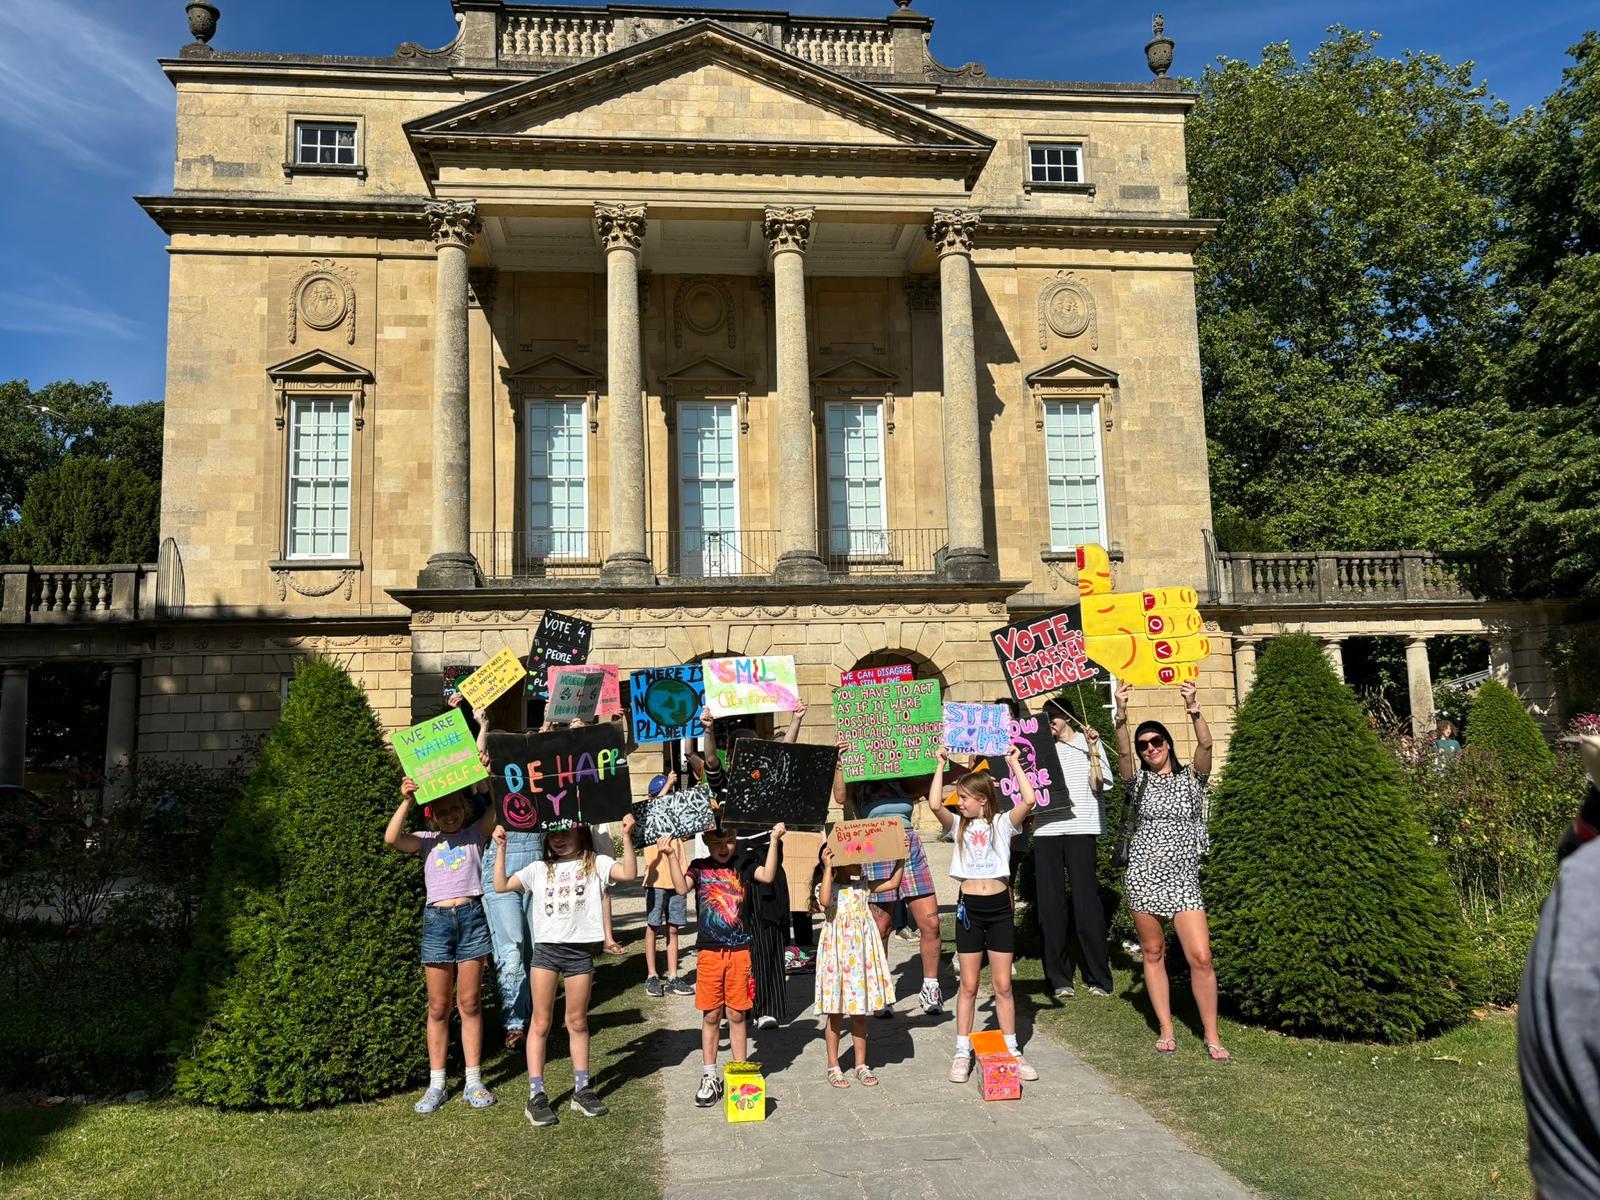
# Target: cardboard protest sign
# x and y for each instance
(741, 686)
(492, 680)
(452, 680)
(574, 695)
(800, 854)
(1142, 638)
(560, 641)
(578, 775)
(892, 729)
(877, 839)
(977, 728)
(1045, 655)
(770, 782)
(666, 703)
(866, 675)
(440, 755)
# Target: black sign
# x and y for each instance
(770, 782)
(567, 775)
(561, 641)
(1043, 656)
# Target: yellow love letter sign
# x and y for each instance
(492, 680)
(1142, 638)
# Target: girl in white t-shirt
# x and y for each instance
(566, 887)
(985, 917)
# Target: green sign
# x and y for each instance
(889, 730)
(440, 755)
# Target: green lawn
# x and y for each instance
(170, 1150)
(1304, 1119)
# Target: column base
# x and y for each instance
(450, 570)
(628, 570)
(970, 565)
(800, 566)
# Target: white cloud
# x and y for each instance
(63, 317)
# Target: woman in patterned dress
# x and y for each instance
(852, 969)
(1163, 879)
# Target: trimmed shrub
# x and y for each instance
(302, 986)
(1330, 912)
(1498, 723)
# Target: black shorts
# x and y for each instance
(566, 959)
(990, 925)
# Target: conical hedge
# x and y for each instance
(1330, 911)
(303, 986)
(1498, 722)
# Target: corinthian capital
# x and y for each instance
(453, 222)
(620, 226)
(951, 230)
(788, 228)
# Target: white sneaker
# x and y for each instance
(961, 1067)
(1025, 1070)
(932, 999)
(766, 1021)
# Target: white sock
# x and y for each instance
(436, 1079)
(1011, 1043)
(929, 983)
(963, 1044)
(711, 1070)
(474, 1077)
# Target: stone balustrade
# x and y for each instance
(866, 46)
(1337, 577)
(68, 594)
(555, 35)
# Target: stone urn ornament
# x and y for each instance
(1158, 50)
(203, 20)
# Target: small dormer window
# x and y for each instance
(1055, 163)
(325, 144)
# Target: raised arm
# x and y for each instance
(627, 870)
(1127, 764)
(1202, 731)
(841, 793)
(708, 739)
(936, 792)
(395, 834)
(503, 883)
(1099, 764)
(678, 876)
(825, 892)
(768, 871)
(1023, 808)
(792, 734)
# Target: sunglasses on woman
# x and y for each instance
(1150, 743)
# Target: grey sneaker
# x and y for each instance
(679, 986)
(539, 1113)
(710, 1091)
(431, 1101)
(1066, 992)
(585, 1100)
(1097, 991)
(653, 987)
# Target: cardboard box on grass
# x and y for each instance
(997, 1067)
(745, 1091)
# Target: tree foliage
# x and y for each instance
(1330, 911)
(302, 986)
(1498, 724)
(88, 510)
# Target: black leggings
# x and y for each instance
(989, 925)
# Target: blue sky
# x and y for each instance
(87, 117)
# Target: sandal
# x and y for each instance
(836, 1078)
(1217, 1052)
(1167, 1045)
(865, 1077)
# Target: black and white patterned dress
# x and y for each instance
(1169, 838)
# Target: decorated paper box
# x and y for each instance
(746, 1090)
(998, 1077)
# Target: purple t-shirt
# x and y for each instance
(452, 863)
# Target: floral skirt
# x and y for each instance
(852, 969)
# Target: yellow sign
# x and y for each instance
(492, 680)
(1143, 638)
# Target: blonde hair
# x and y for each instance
(980, 786)
(429, 810)
(585, 846)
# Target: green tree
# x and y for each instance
(88, 510)
(1543, 461)
(1498, 722)
(1343, 305)
(1330, 911)
(302, 986)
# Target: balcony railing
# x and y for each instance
(63, 594)
(1337, 577)
(507, 556)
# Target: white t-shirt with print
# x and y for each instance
(985, 851)
(564, 902)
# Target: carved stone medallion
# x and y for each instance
(1066, 308)
(324, 298)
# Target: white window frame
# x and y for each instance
(727, 560)
(1080, 163)
(1052, 405)
(297, 403)
(869, 547)
(567, 544)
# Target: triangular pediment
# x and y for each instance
(552, 366)
(705, 370)
(702, 84)
(318, 364)
(1073, 370)
(855, 371)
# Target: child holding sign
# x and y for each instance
(852, 969)
(566, 885)
(985, 920)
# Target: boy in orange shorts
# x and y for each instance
(723, 982)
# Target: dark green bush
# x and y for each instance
(1498, 723)
(302, 986)
(1330, 912)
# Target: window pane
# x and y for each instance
(325, 143)
(319, 479)
(856, 516)
(1058, 163)
(1072, 468)
(708, 485)
(558, 484)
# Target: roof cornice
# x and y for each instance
(221, 212)
(999, 229)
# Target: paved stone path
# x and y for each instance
(917, 1135)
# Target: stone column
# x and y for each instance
(122, 729)
(1244, 666)
(787, 231)
(967, 558)
(13, 723)
(1420, 683)
(1502, 657)
(455, 227)
(621, 231)
(1333, 647)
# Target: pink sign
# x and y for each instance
(610, 690)
(870, 675)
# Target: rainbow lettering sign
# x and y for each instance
(564, 777)
(439, 755)
(740, 686)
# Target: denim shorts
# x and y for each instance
(566, 959)
(455, 935)
(663, 907)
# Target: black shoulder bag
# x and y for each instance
(1131, 799)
